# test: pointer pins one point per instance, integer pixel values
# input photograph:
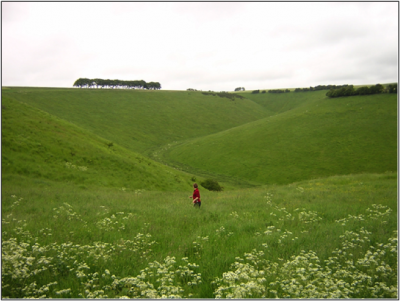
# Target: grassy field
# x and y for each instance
(327, 238)
(96, 185)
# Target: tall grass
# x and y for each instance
(329, 237)
(87, 214)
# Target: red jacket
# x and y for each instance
(196, 194)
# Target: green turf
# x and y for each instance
(43, 147)
(312, 138)
(141, 120)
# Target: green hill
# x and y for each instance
(38, 146)
(314, 137)
(141, 120)
(77, 223)
(262, 138)
(282, 102)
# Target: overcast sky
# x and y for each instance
(206, 46)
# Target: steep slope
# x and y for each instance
(40, 146)
(142, 120)
(318, 138)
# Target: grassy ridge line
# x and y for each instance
(40, 146)
(317, 139)
(142, 120)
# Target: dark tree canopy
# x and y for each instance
(116, 83)
(350, 91)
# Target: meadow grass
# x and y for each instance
(333, 237)
(87, 214)
(319, 137)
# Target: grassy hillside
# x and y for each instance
(282, 102)
(87, 214)
(41, 147)
(315, 138)
(141, 120)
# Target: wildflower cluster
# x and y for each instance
(379, 212)
(222, 232)
(114, 222)
(268, 197)
(286, 215)
(26, 262)
(351, 239)
(16, 203)
(67, 211)
(309, 217)
(198, 245)
(159, 280)
(234, 214)
(269, 231)
(247, 278)
(284, 235)
(141, 244)
(343, 221)
(304, 276)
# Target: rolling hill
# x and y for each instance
(259, 139)
(141, 120)
(43, 148)
(310, 136)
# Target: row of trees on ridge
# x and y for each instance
(320, 87)
(350, 91)
(115, 84)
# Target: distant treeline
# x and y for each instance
(319, 87)
(316, 88)
(231, 96)
(271, 91)
(350, 91)
(278, 91)
(116, 83)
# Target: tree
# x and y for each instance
(115, 83)
(392, 88)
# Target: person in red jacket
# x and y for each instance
(196, 195)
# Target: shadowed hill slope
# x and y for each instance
(38, 146)
(317, 138)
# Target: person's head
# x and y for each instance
(195, 185)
